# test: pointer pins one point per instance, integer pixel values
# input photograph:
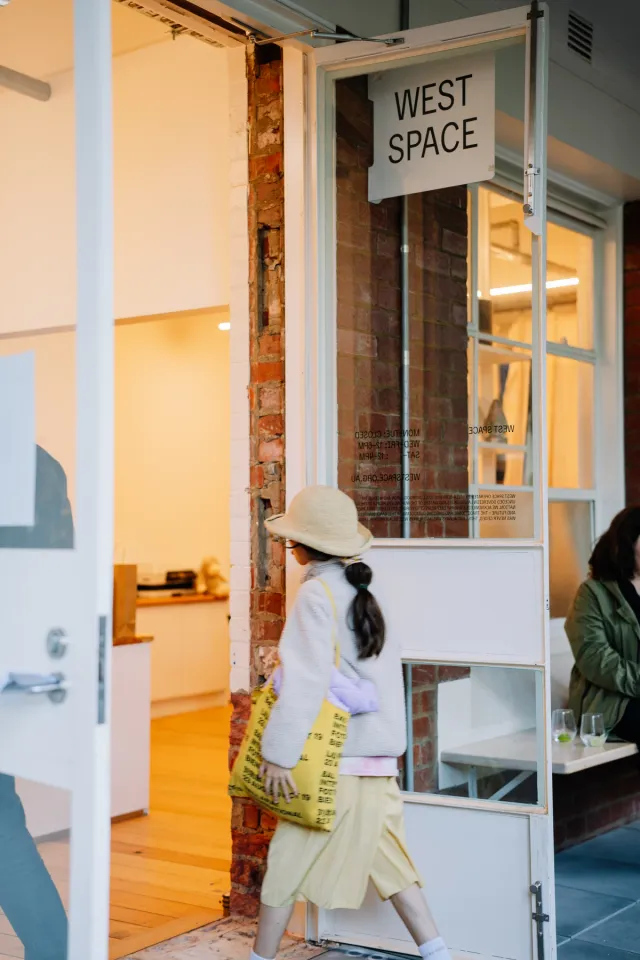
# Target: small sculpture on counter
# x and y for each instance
(211, 580)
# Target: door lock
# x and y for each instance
(539, 918)
(57, 643)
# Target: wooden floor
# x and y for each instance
(169, 869)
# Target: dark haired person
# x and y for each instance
(603, 628)
(332, 870)
(28, 895)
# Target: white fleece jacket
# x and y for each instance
(306, 655)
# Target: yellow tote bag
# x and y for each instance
(316, 774)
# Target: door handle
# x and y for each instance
(54, 685)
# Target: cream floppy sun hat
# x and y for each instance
(324, 519)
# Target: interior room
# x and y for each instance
(170, 682)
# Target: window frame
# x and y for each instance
(581, 205)
(595, 230)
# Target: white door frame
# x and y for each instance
(313, 261)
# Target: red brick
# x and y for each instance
(251, 818)
(266, 370)
(271, 450)
(271, 425)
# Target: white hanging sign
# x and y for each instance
(433, 126)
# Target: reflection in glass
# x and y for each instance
(504, 275)
(475, 732)
(570, 544)
(378, 451)
(34, 869)
(504, 416)
(53, 528)
(570, 419)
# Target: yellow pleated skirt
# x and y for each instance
(332, 870)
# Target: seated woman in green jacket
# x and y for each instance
(603, 628)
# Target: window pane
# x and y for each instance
(475, 732)
(504, 427)
(504, 275)
(376, 450)
(570, 543)
(570, 420)
(425, 474)
(569, 287)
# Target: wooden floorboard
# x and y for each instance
(169, 869)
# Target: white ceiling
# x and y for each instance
(36, 36)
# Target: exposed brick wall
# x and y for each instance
(250, 828)
(424, 705)
(369, 338)
(632, 350)
(595, 801)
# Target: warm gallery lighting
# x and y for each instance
(527, 287)
(224, 326)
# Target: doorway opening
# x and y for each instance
(171, 839)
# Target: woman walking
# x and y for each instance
(333, 870)
(603, 628)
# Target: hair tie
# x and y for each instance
(363, 586)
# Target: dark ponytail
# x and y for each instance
(365, 614)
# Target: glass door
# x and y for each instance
(438, 431)
(56, 472)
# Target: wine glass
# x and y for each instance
(592, 732)
(563, 726)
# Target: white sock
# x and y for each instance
(254, 956)
(434, 950)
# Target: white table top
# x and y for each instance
(518, 751)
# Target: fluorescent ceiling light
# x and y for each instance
(527, 288)
(224, 326)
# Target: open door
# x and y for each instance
(56, 477)
(428, 173)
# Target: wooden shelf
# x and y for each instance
(176, 601)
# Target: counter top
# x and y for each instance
(165, 601)
(129, 641)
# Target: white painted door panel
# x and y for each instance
(476, 869)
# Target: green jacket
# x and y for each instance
(605, 638)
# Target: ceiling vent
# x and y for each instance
(580, 36)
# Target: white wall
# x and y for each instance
(490, 702)
(172, 441)
(171, 162)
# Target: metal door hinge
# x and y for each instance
(539, 917)
(102, 655)
(529, 175)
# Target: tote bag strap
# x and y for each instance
(336, 644)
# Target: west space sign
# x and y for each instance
(434, 126)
